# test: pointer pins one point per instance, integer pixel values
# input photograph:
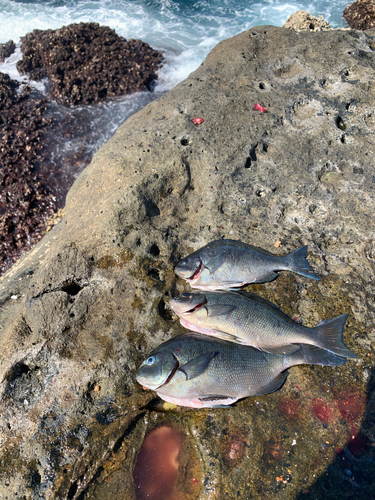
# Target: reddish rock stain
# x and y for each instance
(322, 411)
(351, 405)
(289, 407)
(156, 468)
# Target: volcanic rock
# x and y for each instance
(6, 50)
(86, 63)
(304, 21)
(360, 15)
(87, 304)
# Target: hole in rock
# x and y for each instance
(163, 312)
(248, 162)
(262, 86)
(154, 250)
(154, 273)
(72, 491)
(252, 153)
(156, 469)
(184, 142)
(340, 123)
(152, 210)
(17, 371)
(71, 288)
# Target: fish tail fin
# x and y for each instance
(298, 263)
(313, 355)
(330, 334)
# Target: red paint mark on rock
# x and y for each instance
(322, 411)
(155, 472)
(289, 407)
(260, 108)
(198, 121)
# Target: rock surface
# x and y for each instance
(6, 50)
(86, 62)
(360, 15)
(82, 309)
(304, 21)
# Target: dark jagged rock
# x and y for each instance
(360, 15)
(87, 62)
(6, 50)
(25, 201)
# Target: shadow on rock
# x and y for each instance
(351, 474)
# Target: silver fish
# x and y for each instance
(250, 320)
(229, 264)
(201, 372)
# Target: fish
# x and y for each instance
(250, 320)
(198, 371)
(223, 264)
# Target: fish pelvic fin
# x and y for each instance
(197, 366)
(313, 355)
(274, 385)
(330, 334)
(298, 263)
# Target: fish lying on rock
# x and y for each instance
(250, 320)
(202, 372)
(229, 263)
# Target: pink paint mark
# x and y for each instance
(260, 108)
(198, 121)
(155, 472)
(322, 411)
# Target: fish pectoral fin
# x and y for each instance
(274, 385)
(225, 336)
(267, 277)
(198, 365)
(214, 264)
(219, 310)
(284, 349)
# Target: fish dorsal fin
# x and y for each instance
(276, 383)
(282, 350)
(219, 310)
(198, 365)
(215, 262)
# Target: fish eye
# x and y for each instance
(150, 360)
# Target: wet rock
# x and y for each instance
(84, 307)
(86, 62)
(360, 15)
(303, 21)
(6, 50)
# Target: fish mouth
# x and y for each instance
(170, 376)
(196, 274)
(196, 307)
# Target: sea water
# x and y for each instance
(185, 30)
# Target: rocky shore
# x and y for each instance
(84, 63)
(84, 307)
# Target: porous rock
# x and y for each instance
(82, 309)
(360, 15)
(86, 62)
(304, 21)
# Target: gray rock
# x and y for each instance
(83, 308)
